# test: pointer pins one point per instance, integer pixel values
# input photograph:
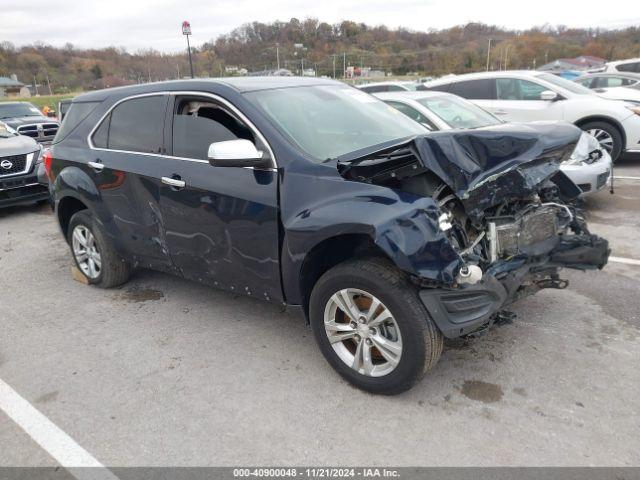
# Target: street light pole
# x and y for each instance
(186, 30)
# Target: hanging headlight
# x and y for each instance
(587, 150)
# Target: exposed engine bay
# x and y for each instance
(503, 204)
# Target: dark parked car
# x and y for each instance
(26, 119)
(315, 195)
(20, 163)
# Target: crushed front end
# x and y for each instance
(505, 207)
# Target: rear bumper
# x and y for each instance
(463, 310)
(23, 189)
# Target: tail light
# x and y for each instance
(46, 160)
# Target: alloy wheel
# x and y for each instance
(86, 252)
(363, 332)
(604, 138)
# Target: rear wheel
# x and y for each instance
(371, 326)
(94, 254)
(608, 136)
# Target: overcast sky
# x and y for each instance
(136, 24)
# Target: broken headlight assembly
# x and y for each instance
(587, 151)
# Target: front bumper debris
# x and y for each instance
(463, 310)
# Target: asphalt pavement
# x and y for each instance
(166, 372)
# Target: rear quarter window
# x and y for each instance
(75, 114)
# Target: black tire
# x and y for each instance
(612, 130)
(421, 340)
(114, 270)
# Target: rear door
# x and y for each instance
(221, 223)
(126, 149)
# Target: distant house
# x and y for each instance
(11, 87)
(582, 63)
(281, 72)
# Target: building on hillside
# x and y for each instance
(281, 72)
(11, 87)
(582, 63)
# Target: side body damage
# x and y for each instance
(504, 207)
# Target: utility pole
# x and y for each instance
(278, 55)
(488, 54)
(506, 59)
(186, 30)
(334, 65)
(48, 82)
(344, 64)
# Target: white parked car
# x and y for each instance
(377, 87)
(526, 96)
(630, 65)
(618, 86)
(589, 166)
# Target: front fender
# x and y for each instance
(404, 226)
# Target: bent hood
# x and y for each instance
(483, 167)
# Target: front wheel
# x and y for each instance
(371, 326)
(608, 136)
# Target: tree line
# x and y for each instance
(326, 48)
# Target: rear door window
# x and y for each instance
(135, 125)
(629, 67)
(481, 89)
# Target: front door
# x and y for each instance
(221, 223)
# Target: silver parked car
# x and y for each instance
(22, 177)
(589, 166)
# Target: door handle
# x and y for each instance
(499, 112)
(98, 166)
(174, 181)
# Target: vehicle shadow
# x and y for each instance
(41, 208)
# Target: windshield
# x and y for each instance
(457, 112)
(9, 110)
(5, 132)
(330, 121)
(566, 84)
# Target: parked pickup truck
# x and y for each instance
(27, 120)
(315, 195)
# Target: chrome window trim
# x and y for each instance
(213, 96)
(28, 164)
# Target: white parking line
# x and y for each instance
(628, 261)
(51, 438)
(625, 178)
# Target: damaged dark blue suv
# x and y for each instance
(315, 195)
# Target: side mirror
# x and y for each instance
(235, 153)
(549, 96)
